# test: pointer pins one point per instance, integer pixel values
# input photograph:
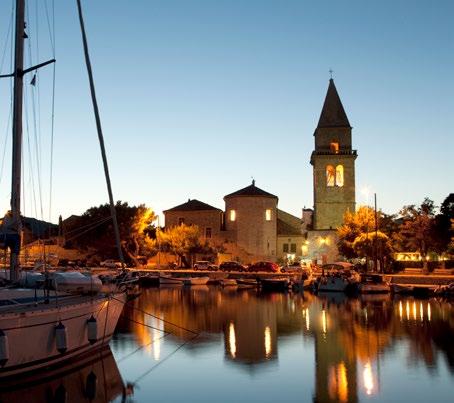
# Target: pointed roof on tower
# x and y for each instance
(333, 113)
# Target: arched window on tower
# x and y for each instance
(339, 176)
(334, 147)
(330, 175)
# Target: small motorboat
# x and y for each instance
(337, 276)
(195, 280)
(252, 282)
(166, 279)
(445, 290)
(373, 284)
(402, 289)
(228, 282)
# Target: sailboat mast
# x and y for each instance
(17, 129)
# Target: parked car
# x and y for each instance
(232, 266)
(111, 264)
(204, 265)
(264, 266)
(292, 268)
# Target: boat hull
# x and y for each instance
(32, 337)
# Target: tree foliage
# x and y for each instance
(418, 227)
(184, 241)
(94, 231)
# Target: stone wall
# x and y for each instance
(202, 218)
(251, 230)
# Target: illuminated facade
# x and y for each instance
(333, 161)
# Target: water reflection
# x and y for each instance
(91, 379)
(349, 338)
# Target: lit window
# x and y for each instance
(334, 147)
(268, 214)
(207, 232)
(232, 215)
(340, 176)
(330, 175)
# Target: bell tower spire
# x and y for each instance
(333, 161)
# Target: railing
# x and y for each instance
(330, 152)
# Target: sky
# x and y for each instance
(198, 97)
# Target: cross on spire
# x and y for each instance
(331, 71)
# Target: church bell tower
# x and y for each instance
(333, 161)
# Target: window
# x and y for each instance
(207, 232)
(285, 247)
(334, 176)
(268, 214)
(293, 248)
(330, 175)
(232, 215)
(334, 147)
(180, 220)
(340, 176)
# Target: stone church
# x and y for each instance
(252, 227)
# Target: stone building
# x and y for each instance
(209, 219)
(251, 220)
(333, 161)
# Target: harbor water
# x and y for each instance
(213, 344)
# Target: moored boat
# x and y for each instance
(167, 279)
(228, 282)
(337, 277)
(62, 328)
(196, 280)
(373, 284)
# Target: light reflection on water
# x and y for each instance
(290, 347)
(265, 348)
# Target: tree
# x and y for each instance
(360, 222)
(94, 231)
(417, 228)
(442, 225)
(181, 240)
(357, 235)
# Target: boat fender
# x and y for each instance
(4, 348)
(61, 337)
(90, 386)
(92, 330)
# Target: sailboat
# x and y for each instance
(40, 329)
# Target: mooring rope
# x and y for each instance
(195, 332)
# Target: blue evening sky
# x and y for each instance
(197, 97)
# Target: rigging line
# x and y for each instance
(51, 174)
(105, 219)
(149, 326)
(84, 232)
(142, 347)
(5, 143)
(165, 359)
(6, 42)
(32, 179)
(36, 127)
(164, 320)
(51, 31)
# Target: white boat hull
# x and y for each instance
(31, 331)
(170, 280)
(196, 280)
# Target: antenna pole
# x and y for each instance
(100, 135)
(17, 133)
